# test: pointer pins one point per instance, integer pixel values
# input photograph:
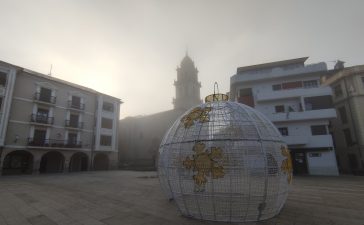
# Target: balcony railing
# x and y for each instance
(45, 98)
(72, 124)
(74, 105)
(37, 118)
(53, 143)
(303, 115)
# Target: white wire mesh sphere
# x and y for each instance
(224, 161)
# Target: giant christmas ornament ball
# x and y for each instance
(224, 161)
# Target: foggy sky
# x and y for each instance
(130, 49)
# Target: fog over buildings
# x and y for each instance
(130, 49)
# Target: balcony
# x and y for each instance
(42, 119)
(320, 141)
(304, 115)
(296, 140)
(44, 98)
(291, 93)
(72, 124)
(76, 105)
(53, 143)
(275, 73)
(309, 141)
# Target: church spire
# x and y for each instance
(187, 85)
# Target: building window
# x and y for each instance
(76, 100)
(42, 116)
(348, 138)
(39, 137)
(343, 116)
(318, 102)
(310, 84)
(318, 130)
(279, 108)
(76, 103)
(42, 112)
(292, 85)
(74, 121)
(106, 123)
(45, 95)
(1, 103)
(105, 140)
(338, 91)
(107, 106)
(72, 138)
(276, 87)
(315, 154)
(283, 131)
(246, 97)
(2, 79)
(362, 81)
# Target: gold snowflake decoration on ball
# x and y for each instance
(286, 166)
(197, 114)
(205, 164)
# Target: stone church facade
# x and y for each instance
(139, 137)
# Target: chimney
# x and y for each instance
(339, 65)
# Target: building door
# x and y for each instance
(353, 162)
(74, 120)
(101, 162)
(42, 115)
(76, 102)
(72, 139)
(299, 162)
(39, 137)
(45, 94)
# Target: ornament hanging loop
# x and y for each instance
(216, 96)
(216, 87)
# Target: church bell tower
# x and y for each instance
(187, 85)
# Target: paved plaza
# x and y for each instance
(135, 198)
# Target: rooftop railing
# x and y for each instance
(54, 143)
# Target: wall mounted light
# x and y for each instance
(16, 138)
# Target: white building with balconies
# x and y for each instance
(290, 95)
(49, 125)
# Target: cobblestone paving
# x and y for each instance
(135, 198)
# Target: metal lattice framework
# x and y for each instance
(224, 161)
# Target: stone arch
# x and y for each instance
(52, 162)
(79, 162)
(18, 162)
(101, 161)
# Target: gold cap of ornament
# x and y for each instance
(216, 97)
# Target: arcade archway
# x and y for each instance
(79, 162)
(18, 162)
(52, 162)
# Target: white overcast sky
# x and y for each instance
(130, 49)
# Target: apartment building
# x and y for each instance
(348, 128)
(49, 125)
(290, 95)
